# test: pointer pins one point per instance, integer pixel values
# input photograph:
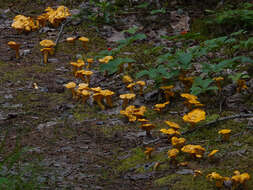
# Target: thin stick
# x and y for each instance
(212, 123)
(61, 30)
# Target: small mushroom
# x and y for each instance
(172, 154)
(172, 125)
(108, 96)
(211, 154)
(126, 98)
(194, 117)
(131, 86)
(85, 95)
(218, 82)
(240, 179)
(141, 86)
(241, 84)
(147, 127)
(177, 142)
(98, 98)
(88, 75)
(217, 177)
(159, 107)
(15, 46)
(71, 40)
(225, 134)
(148, 152)
(89, 61)
(84, 40)
(143, 121)
(71, 86)
(127, 79)
(196, 151)
(46, 52)
(170, 132)
(168, 91)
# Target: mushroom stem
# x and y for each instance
(17, 53)
(84, 99)
(100, 104)
(109, 101)
(125, 102)
(226, 137)
(141, 90)
(45, 56)
(73, 93)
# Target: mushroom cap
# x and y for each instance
(47, 43)
(107, 92)
(73, 64)
(149, 150)
(147, 126)
(167, 87)
(189, 96)
(172, 124)
(131, 85)
(83, 86)
(170, 131)
(83, 39)
(87, 73)
(195, 116)
(159, 106)
(127, 96)
(212, 153)
(177, 141)
(218, 79)
(141, 83)
(90, 60)
(139, 111)
(80, 63)
(97, 96)
(106, 59)
(71, 39)
(173, 153)
(195, 102)
(96, 89)
(70, 85)
(224, 131)
(127, 79)
(215, 176)
(85, 93)
(13, 45)
(21, 22)
(193, 149)
(142, 120)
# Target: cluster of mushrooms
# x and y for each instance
(104, 97)
(54, 17)
(22, 23)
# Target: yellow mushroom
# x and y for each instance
(98, 98)
(147, 127)
(168, 91)
(211, 154)
(46, 52)
(194, 117)
(217, 177)
(127, 79)
(15, 46)
(241, 84)
(170, 132)
(84, 41)
(89, 61)
(218, 82)
(126, 98)
(85, 95)
(131, 86)
(196, 151)
(172, 154)
(240, 179)
(71, 86)
(88, 75)
(172, 125)
(159, 107)
(148, 152)
(108, 96)
(225, 134)
(177, 142)
(141, 86)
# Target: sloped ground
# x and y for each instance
(77, 146)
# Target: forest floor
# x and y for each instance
(50, 140)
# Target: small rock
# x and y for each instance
(8, 96)
(46, 125)
(25, 52)
(53, 60)
(185, 171)
(46, 29)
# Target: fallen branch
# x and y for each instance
(60, 32)
(212, 123)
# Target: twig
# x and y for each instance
(212, 123)
(61, 30)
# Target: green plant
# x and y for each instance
(201, 86)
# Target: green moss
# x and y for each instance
(137, 157)
(183, 182)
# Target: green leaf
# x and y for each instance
(162, 10)
(132, 30)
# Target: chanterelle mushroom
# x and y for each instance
(194, 116)
(126, 98)
(225, 134)
(71, 86)
(84, 40)
(15, 46)
(48, 48)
